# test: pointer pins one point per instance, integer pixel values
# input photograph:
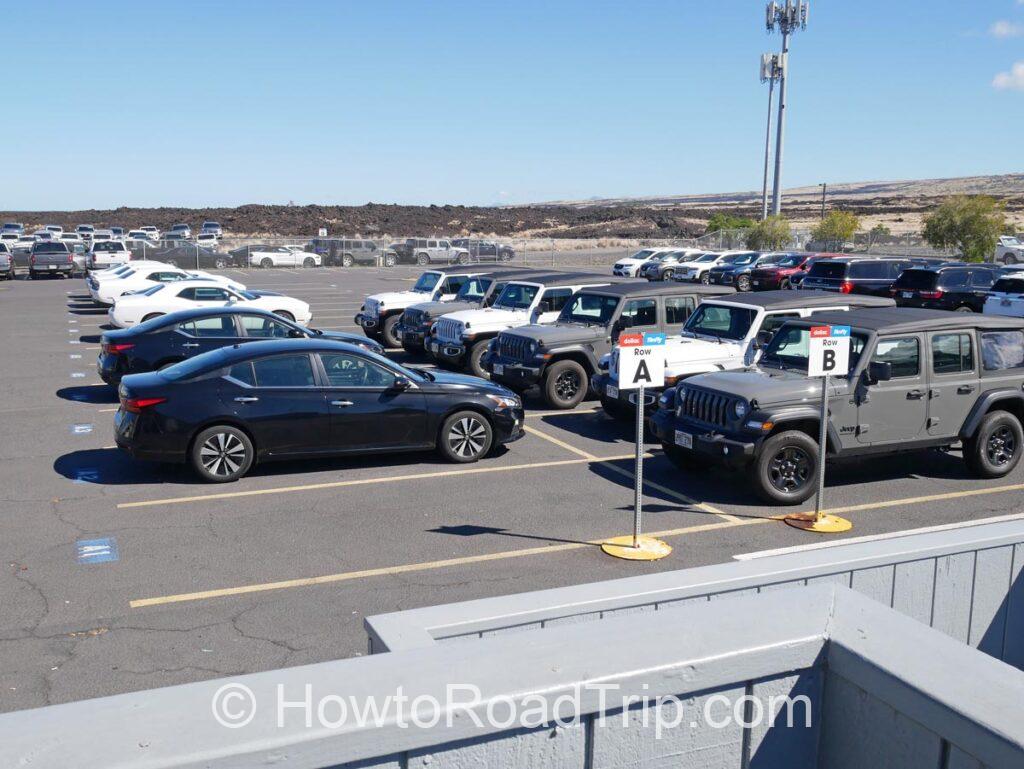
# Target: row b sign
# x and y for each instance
(829, 352)
(641, 361)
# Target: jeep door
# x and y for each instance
(895, 411)
(639, 315)
(676, 310)
(550, 304)
(953, 388)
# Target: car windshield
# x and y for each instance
(589, 308)
(1011, 241)
(426, 283)
(720, 321)
(744, 259)
(666, 257)
(190, 367)
(707, 258)
(790, 261)
(644, 255)
(247, 294)
(790, 348)
(1009, 286)
(517, 296)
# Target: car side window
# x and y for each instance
(641, 312)
(284, 371)
(262, 327)
(554, 299)
(211, 295)
(1001, 350)
(982, 278)
(678, 309)
(902, 353)
(350, 370)
(956, 279)
(453, 284)
(243, 373)
(952, 353)
(773, 322)
(216, 327)
(187, 293)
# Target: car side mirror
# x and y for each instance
(294, 333)
(763, 338)
(879, 371)
(402, 383)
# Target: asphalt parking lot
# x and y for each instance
(280, 568)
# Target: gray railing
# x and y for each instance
(965, 582)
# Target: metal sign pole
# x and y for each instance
(639, 474)
(822, 445)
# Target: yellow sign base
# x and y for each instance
(827, 524)
(649, 549)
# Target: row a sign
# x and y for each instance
(829, 351)
(641, 361)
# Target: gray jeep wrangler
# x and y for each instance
(562, 358)
(917, 379)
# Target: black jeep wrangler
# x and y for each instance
(562, 358)
(917, 379)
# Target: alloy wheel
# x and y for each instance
(222, 454)
(567, 385)
(789, 470)
(1001, 446)
(467, 437)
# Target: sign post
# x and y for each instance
(829, 353)
(641, 363)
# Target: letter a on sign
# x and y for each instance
(641, 361)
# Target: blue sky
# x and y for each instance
(225, 103)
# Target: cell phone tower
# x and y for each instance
(787, 18)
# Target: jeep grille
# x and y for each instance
(448, 330)
(704, 406)
(513, 346)
(412, 318)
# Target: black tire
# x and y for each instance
(476, 352)
(422, 260)
(669, 275)
(506, 256)
(390, 260)
(221, 454)
(565, 384)
(308, 262)
(152, 315)
(785, 472)
(743, 283)
(965, 308)
(614, 409)
(683, 459)
(1009, 259)
(705, 278)
(388, 332)
(220, 263)
(784, 284)
(996, 446)
(466, 436)
(347, 260)
(266, 263)
(285, 314)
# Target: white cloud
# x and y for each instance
(1004, 29)
(1012, 80)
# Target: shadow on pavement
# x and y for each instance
(89, 394)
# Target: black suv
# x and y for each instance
(345, 252)
(861, 274)
(562, 358)
(961, 289)
(486, 250)
(917, 379)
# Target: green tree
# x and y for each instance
(770, 234)
(971, 224)
(877, 233)
(720, 221)
(836, 228)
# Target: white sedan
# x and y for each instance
(189, 294)
(283, 256)
(139, 279)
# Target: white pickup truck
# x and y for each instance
(461, 338)
(1010, 250)
(1006, 297)
(727, 333)
(380, 314)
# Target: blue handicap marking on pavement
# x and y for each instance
(87, 475)
(653, 338)
(81, 429)
(840, 330)
(74, 356)
(96, 550)
(77, 374)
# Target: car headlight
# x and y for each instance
(502, 402)
(740, 409)
(666, 399)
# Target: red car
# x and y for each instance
(786, 273)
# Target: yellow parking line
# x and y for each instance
(560, 444)
(566, 413)
(928, 498)
(681, 497)
(371, 481)
(425, 566)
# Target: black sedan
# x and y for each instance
(172, 338)
(225, 410)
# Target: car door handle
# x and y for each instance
(246, 399)
(965, 389)
(342, 403)
(190, 344)
(914, 395)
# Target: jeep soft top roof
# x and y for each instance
(795, 300)
(912, 320)
(564, 278)
(635, 288)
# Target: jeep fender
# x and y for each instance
(573, 351)
(804, 414)
(984, 405)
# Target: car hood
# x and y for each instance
(690, 349)
(392, 298)
(768, 386)
(561, 333)
(447, 380)
(489, 316)
(436, 309)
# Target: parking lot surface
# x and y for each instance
(121, 575)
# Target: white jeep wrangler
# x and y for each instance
(727, 333)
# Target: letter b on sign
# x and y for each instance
(829, 351)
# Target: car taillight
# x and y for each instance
(931, 294)
(115, 349)
(136, 405)
(846, 287)
(32, 259)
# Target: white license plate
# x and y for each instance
(684, 439)
(755, 282)
(611, 391)
(499, 368)
(52, 267)
(908, 294)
